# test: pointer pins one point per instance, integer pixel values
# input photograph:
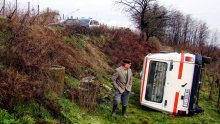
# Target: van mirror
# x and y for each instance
(171, 65)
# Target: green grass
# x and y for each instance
(33, 110)
(99, 40)
(137, 114)
(2, 47)
(141, 115)
(1, 66)
(56, 28)
(71, 113)
(78, 41)
(6, 118)
(71, 81)
(25, 114)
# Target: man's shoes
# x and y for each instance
(114, 110)
(124, 114)
(113, 114)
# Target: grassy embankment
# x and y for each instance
(70, 110)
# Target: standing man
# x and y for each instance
(122, 83)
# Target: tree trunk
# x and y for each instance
(142, 26)
(57, 75)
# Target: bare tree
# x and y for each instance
(213, 46)
(174, 28)
(137, 8)
(2, 10)
(203, 34)
(214, 38)
(187, 22)
(156, 20)
(146, 13)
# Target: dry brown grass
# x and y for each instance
(31, 50)
(16, 88)
(95, 31)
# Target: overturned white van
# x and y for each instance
(170, 82)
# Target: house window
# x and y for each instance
(156, 81)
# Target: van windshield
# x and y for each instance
(84, 21)
(156, 81)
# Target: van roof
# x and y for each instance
(169, 56)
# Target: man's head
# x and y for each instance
(126, 63)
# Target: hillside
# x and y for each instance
(29, 95)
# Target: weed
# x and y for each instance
(4, 37)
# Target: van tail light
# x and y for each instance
(180, 112)
(188, 59)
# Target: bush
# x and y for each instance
(126, 44)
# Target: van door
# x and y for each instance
(155, 84)
(170, 87)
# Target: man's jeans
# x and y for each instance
(118, 97)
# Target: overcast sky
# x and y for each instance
(106, 12)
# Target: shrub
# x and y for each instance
(126, 44)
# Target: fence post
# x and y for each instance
(38, 13)
(28, 9)
(3, 8)
(203, 76)
(218, 81)
(212, 83)
(16, 7)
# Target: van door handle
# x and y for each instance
(165, 103)
(184, 85)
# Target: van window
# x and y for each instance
(156, 81)
(96, 23)
(92, 22)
